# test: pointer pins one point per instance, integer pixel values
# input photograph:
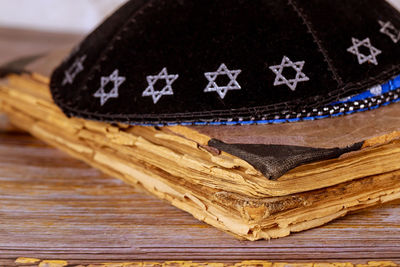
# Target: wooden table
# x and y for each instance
(55, 207)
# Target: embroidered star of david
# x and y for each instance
(212, 86)
(355, 49)
(73, 70)
(113, 93)
(291, 83)
(390, 30)
(166, 90)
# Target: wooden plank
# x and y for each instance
(55, 207)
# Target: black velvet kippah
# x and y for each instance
(160, 62)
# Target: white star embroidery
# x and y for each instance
(73, 70)
(291, 83)
(371, 58)
(222, 90)
(116, 79)
(152, 80)
(390, 30)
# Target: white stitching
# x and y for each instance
(390, 30)
(167, 89)
(291, 83)
(73, 70)
(212, 86)
(116, 79)
(371, 58)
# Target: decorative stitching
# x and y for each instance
(200, 118)
(371, 58)
(310, 29)
(291, 83)
(218, 117)
(152, 80)
(390, 94)
(116, 79)
(212, 86)
(74, 70)
(390, 30)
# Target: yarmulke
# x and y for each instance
(233, 62)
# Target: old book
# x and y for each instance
(176, 164)
(222, 166)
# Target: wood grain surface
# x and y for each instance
(55, 207)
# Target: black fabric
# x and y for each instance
(18, 66)
(275, 160)
(192, 37)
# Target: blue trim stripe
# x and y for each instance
(384, 88)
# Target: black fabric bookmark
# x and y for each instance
(18, 66)
(275, 160)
